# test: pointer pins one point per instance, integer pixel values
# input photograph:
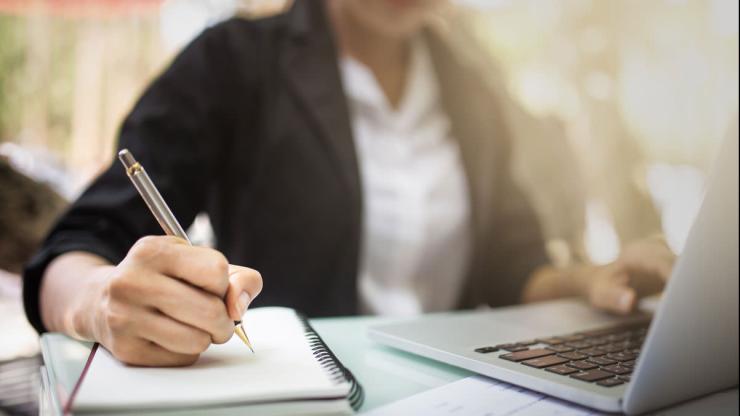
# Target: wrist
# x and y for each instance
(67, 298)
(85, 313)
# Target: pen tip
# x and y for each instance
(242, 334)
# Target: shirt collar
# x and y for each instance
(419, 96)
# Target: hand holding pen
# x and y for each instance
(171, 226)
(162, 305)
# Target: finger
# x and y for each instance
(665, 268)
(192, 306)
(614, 295)
(648, 274)
(200, 266)
(657, 266)
(652, 256)
(244, 285)
(646, 284)
(145, 353)
(171, 335)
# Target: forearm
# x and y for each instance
(549, 282)
(68, 293)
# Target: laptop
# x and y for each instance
(566, 349)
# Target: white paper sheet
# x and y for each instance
(480, 396)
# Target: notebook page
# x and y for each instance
(283, 367)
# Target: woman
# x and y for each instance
(341, 150)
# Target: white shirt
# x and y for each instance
(416, 225)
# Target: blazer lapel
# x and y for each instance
(478, 126)
(309, 63)
(475, 128)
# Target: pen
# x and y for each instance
(162, 213)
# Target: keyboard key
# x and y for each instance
(578, 344)
(559, 348)
(592, 375)
(507, 345)
(527, 343)
(574, 355)
(543, 362)
(551, 341)
(610, 348)
(582, 365)
(511, 347)
(617, 369)
(629, 364)
(486, 350)
(563, 370)
(610, 382)
(634, 345)
(517, 348)
(592, 352)
(622, 356)
(601, 360)
(625, 378)
(595, 342)
(618, 337)
(526, 355)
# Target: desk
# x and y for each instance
(389, 375)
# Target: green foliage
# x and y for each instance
(12, 61)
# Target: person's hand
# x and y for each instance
(167, 301)
(642, 269)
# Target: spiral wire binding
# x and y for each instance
(329, 362)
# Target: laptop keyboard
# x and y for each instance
(604, 356)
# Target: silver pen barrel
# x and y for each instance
(151, 196)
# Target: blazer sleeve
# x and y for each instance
(517, 246)
(176, 130)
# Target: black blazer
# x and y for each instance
(250, 124)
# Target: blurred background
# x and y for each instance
(617, 108)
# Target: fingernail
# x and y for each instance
(243, 302)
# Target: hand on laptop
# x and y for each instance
(641, 270)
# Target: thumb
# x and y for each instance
(244, 285)
(614, 295)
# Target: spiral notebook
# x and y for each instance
(292, 372)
